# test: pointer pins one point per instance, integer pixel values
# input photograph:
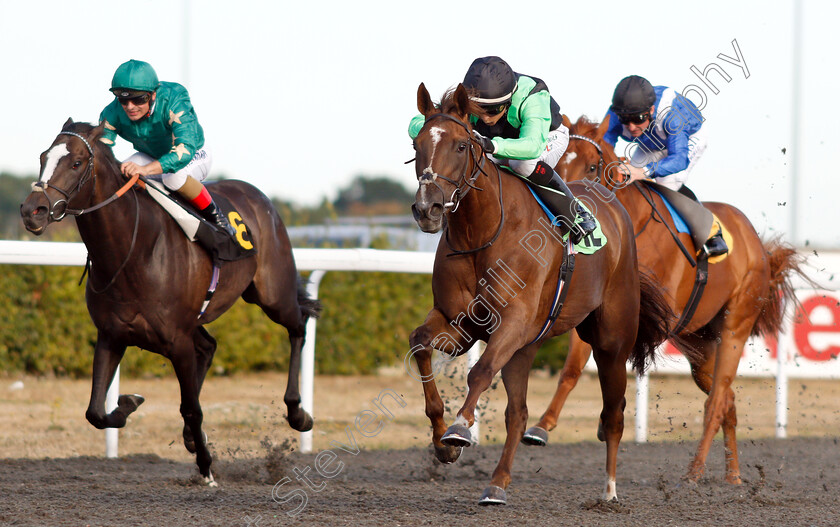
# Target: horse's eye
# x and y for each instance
(593, 168)
(77, 164)
(462, 147)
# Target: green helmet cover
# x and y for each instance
(135, 75)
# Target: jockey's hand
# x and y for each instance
(632, 173)
(485, 142)
(129, 169)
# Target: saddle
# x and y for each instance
(222, 248)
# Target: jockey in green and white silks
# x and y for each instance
(158, 119)
(523, 129)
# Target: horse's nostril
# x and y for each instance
(39, 210)
(436, 211)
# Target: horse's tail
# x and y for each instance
(655, 322)
(309, 307)
(784, 263)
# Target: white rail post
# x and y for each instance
(307, 361)
(642, 389)
(782, 358)
(112, 435)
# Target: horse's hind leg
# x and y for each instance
(299, 419)
(612, 375)
(579, 353)
(205, 347)
(515, 378)
(185, 363)
(106, 358)
(715, 378)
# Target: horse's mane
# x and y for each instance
(448, 103)
(585, 126)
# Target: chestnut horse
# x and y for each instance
(147, 282)
(744, 296)
(495, 278)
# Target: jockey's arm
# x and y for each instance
(535, 113)
(675, 161)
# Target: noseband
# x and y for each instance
(89, 175)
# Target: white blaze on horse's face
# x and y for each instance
(55, 155)
(570, 156)
(436, 132)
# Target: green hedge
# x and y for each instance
(366, 322)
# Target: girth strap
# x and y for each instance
(700, 279)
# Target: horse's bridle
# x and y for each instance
(42, 186)
(600, 154)
(90, 175)
(429, 176)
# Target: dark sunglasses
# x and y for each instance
(495, 109)
(137, 100)
(635, 118)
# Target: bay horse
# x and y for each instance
(495, 277)
(745, 293)
(147, 282)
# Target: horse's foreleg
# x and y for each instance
(579, 353)
(500, 348)
(106, 357)
(612, 375)
(515, 378)
(185, 364)
(420, 343)
(299, 419)
(205, 346)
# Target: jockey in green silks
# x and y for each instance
(523, 130)
(158, 119)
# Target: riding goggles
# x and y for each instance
(495, 109)
(635, 118)
(137, 100)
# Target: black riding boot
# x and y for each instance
(214, 215)
(716, 245)
(564, 205)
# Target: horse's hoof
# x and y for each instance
(457, 435)
(448, 454)
(128, 403)
(189, 442)
(302, 424)
(535, 436)
(493, 495)
(210, 481)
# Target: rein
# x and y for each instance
(90, 175)
(468, 182)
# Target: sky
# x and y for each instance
(300, 97)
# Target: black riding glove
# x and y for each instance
(485, 142)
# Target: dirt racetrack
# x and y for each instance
(786, 482)
(53, 473)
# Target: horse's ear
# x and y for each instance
(462, 102)
(567, 122)
(424, 100)
(602, 128)
(67, 123)
(96, 133)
